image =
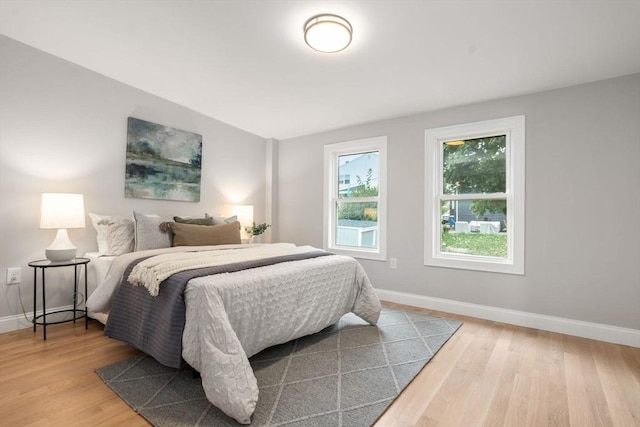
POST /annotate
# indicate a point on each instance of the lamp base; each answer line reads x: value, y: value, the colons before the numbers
x: 61, y: 249
x: 59, y: 255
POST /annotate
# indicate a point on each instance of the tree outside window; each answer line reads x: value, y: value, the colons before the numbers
x: 474, y: 196
x: 475, y: 166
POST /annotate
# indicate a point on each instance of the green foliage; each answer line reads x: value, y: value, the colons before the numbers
x: 363, y: 189
x: 494, y: 245
x: 477, y: 167
x: 360, y: 211
x: 257, y: 229
x: 480, y: 207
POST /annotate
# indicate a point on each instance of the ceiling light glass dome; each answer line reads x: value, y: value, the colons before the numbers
x: 327, y: 33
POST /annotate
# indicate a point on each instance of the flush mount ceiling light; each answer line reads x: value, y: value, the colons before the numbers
x: 327, y: 33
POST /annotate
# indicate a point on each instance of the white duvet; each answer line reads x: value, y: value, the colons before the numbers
x: 232, y: 316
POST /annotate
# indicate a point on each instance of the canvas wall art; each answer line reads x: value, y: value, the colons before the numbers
x: 162, y: 162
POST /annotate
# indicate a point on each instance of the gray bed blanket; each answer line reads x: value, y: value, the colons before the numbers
x: 155, y: 324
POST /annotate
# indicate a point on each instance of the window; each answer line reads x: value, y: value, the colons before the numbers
x: 355, y: 198
x: 474, y: 196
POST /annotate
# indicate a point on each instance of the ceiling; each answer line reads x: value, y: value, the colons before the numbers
x: 245, y: 63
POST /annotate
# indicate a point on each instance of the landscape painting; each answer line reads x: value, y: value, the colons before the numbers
x: 162, y: 162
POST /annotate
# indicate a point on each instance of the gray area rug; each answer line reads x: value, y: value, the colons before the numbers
x: 344, y: 375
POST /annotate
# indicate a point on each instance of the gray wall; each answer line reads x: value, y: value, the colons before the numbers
x: 63, y: 128
x: 582, y: 203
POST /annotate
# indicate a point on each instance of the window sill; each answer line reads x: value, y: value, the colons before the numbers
x: 476, y: 263
x: 358, y: 254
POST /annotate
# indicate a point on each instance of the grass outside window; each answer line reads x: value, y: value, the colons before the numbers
x: 494, y: 245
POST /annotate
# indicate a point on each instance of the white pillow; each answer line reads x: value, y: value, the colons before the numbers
x: 148, y: 234
x: 219, y: 220
x: 115, y: 234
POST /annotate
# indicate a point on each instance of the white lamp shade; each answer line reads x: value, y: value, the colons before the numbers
x: 62, y: 210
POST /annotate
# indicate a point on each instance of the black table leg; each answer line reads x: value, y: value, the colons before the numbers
x: 44, y: 310
x: 75, y: 291
x: 86, y: 295
x: 35, y: 277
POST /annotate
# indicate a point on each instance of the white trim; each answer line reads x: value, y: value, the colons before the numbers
x: 514, y: 129
x: 331, y: 151
x: 17, y: 321
x: 578, y: 328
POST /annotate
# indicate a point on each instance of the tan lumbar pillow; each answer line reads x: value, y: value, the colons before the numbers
x: 203, y: 235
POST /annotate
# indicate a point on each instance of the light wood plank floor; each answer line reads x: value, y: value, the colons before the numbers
x: 487, y: 374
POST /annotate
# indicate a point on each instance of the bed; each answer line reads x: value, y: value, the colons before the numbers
x: 213, y: 307
x: 97, y: 272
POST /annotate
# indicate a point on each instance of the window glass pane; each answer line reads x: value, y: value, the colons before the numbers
x: 358, y: 175
x: 474, y: 227
x: 357, y: 224
x: 475, y: 166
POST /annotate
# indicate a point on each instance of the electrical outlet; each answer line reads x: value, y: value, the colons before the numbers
x: 393, y: 263
x: 13, y: 275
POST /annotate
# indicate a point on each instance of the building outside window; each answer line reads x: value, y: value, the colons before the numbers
x: 345, y: 179
x: 474, y: 196
x: 355, y: 199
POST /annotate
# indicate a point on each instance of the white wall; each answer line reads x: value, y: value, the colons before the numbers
x: 582, y: 204
x: 63, y: 128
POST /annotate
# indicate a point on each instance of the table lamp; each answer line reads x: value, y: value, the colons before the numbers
x: 61, y: 211
x: 245, y: 216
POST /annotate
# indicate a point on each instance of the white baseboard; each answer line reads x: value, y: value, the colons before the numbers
x: 595, y: 331
x: 17, y: 321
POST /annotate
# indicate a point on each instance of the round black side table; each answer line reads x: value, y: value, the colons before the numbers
x: 43, y: 264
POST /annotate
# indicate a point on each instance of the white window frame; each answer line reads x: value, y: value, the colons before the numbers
x: 514, y: 129
x: 331, y: 166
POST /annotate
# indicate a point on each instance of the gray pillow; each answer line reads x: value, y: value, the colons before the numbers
x: 148, y: 233
x: 207, y: 220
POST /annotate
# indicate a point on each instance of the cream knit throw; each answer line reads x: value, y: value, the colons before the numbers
x: 152, y: 271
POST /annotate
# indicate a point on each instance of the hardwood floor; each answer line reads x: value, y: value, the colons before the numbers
x: 488, y: 374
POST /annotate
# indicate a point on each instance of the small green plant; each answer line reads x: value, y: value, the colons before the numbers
x: 257, y: 229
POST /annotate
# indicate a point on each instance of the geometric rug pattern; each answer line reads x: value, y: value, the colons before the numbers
x: 344, y: 375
